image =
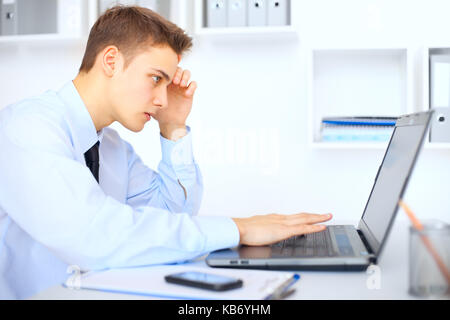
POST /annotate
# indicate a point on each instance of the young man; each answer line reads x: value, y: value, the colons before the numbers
x: 73, y: 192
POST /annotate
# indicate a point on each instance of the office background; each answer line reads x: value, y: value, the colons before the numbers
x: 251, y: 115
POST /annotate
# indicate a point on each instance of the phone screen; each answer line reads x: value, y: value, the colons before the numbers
x: 205, y: 277
x: 204, y: 280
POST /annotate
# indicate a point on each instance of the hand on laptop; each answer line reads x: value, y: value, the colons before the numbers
x: 270, y: 228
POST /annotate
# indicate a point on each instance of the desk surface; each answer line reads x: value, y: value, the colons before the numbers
x: 389, y: 280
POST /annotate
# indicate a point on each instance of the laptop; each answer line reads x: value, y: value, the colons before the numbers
x: 344, y: 247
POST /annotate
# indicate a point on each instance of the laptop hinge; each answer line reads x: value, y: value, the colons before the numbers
x: 372, y: 256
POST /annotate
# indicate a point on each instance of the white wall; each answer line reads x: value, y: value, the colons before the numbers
x: 249, y: 119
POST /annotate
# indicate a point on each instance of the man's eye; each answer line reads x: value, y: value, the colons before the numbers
x: 156, y: 79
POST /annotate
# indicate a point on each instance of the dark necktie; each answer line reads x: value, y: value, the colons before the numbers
x: 92, y: 159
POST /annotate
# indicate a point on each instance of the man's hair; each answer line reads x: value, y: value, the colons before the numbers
x: 132, y: 29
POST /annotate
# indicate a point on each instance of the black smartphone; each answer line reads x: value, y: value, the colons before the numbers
x: 204, y: 280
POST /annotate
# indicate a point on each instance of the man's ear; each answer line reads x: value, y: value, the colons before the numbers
x: 110, y: 60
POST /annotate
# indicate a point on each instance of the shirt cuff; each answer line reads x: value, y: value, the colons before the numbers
x: 220, y: 232
x: 178, y: 152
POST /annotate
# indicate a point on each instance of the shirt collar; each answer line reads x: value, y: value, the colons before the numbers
x: 82, y: 125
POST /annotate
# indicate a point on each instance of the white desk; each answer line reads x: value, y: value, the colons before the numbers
x: 393, y: 279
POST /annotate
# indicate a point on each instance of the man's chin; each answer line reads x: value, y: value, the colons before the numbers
x: 134, y: 127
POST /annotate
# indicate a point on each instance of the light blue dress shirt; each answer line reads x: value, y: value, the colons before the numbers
x: 54, y: 214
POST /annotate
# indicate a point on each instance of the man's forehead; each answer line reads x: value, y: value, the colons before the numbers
x: 163, y: 59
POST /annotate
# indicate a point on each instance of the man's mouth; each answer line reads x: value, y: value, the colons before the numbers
x: 148, y: 116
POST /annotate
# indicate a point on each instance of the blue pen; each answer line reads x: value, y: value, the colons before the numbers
x: 282, y: 288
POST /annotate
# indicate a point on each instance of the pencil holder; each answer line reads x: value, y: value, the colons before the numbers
x: 429, y: 254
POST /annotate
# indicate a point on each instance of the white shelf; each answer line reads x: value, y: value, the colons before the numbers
x: 41, y: 38
x: 72, y: 22
x: 425, y: 55
x: 425, y: 77
x: 246, y: 30
x: 173, y: 10
x: 349, y: 145
x: 76, y: 17
x: 370, y: 146
x: 357, y: 82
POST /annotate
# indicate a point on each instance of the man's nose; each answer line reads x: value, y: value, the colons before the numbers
x: 160, y: 99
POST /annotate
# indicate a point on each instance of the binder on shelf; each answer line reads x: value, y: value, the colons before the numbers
x: 367, y: 121
x: 357, y: 129
x: 237, y: 13
x: 216, y: 16
x: 8, y: 17
x: 440, y: 125
x: 20, y: 17
x: 278, y: 13
x: 257, y: 13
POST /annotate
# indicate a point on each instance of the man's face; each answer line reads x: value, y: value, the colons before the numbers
x: 141, y: 88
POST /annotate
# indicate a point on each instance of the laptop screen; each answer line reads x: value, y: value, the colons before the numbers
x: 392, y: 177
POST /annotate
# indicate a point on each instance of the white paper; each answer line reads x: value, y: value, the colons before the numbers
x: 257, y: 284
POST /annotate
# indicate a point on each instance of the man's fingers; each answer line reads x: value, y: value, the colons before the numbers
x: 307, y: 218
x: 270, y: 228
x: 177, y: 77
x: 191, y: 89
x: 181, y: 77
x: 185, y: 78
x: 306, y: 229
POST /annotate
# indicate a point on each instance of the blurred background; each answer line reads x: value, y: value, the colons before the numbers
x: 268, y: 73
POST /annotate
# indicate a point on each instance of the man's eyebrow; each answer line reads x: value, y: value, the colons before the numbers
x: 165, y: 75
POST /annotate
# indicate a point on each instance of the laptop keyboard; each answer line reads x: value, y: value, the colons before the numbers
x: 314, y: 244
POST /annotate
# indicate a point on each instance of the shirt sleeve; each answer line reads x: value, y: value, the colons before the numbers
x: 57, y: 201
x: 176, y: 187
